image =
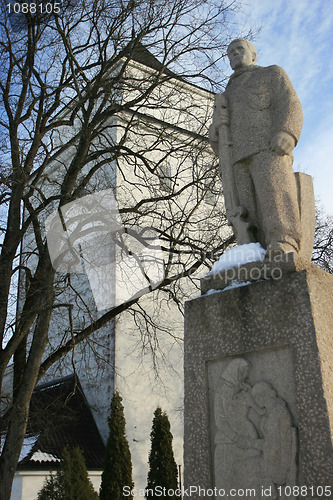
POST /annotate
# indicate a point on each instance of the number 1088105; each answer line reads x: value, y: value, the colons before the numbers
x: 34, y: 8
x: 304, y: 491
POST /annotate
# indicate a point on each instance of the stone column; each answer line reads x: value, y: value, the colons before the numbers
x: 259, y: 384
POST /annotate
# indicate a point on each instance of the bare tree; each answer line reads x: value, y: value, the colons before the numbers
x: 323, y: 245
x: 73, y: 115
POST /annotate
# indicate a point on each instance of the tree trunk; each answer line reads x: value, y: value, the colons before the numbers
x: 20, y: 413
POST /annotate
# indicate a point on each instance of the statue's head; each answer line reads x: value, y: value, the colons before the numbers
x: 241, y: 53
x: 236, y: 372
x: 263, y: 393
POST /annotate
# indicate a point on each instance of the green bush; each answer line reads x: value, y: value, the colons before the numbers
x: 71, y: 482
x: 118, y: 463
x: 162, y: 466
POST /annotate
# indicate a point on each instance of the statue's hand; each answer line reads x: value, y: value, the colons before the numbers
x: 213, y: 134
x: 221, y: 114
x: 245, y: 443
x: 282, y: 143
x: 221, y: 117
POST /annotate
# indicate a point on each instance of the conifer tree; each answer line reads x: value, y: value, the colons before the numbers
x: 74, y: 477
x: 118, y: 463
x: 50, y: 489
x: 71, y: 481
x: 162, y: 466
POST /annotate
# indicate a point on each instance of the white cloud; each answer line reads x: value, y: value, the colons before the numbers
x: 315, y: 157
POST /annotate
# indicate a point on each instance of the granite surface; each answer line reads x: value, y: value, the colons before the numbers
x: 283, y: 329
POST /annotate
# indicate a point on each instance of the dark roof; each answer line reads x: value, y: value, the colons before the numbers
x: 141, y: 54
x: 60, y: 416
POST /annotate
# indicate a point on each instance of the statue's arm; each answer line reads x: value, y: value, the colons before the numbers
x: 214, y: 138
x: 282, y: 143
x: 220, y: 117
x: 287, y: 112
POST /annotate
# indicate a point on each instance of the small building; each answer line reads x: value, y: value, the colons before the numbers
x: 60, y: 416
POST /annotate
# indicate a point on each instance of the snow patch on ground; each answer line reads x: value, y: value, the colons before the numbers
x: 236, y: 284
x: 233, y: 284
x: 212, y: 290
x: 238, y: 256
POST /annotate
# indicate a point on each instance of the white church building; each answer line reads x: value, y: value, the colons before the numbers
x: 140, y: 351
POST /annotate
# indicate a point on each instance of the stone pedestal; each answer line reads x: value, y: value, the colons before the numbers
x: 259, y: 386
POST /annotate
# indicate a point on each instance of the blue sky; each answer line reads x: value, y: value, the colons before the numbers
x: 298, y: 35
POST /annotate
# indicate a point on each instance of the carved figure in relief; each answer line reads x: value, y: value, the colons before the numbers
x: 279, y: 440
x: 231, y: 406
x: 258, y: 453
x: 257, y: 122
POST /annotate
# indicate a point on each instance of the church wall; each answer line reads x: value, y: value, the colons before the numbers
x: 147, y: 370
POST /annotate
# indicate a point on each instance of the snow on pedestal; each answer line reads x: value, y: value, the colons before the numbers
x: 238, y: 256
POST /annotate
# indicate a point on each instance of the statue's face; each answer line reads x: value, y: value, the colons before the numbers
x: 244, y: 373
x: 240, y: 55
x: 260, y: 400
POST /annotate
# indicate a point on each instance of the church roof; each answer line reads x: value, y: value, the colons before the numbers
x: 143, y: 56
x: 60, y: 416
x: 137, y: 52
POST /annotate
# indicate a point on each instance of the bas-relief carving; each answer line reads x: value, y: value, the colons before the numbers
x: 257, y: 122
x: 255, y: 440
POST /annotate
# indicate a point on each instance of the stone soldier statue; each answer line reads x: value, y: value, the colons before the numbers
x: 256, y: 125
